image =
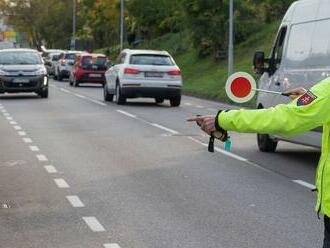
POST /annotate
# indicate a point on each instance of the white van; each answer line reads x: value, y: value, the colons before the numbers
x: 300, y: 57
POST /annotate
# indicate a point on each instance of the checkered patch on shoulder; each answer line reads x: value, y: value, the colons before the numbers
x: 306, y: 99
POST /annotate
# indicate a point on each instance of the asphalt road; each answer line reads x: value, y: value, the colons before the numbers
x: 78, y: 172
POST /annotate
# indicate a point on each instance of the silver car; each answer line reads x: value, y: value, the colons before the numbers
x: 144, y: 73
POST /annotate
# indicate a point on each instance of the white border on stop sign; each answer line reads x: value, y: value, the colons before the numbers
x: 231, y: 79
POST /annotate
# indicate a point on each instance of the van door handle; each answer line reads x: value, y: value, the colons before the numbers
x: 278, y: 83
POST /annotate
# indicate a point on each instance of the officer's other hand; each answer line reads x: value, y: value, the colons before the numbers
x: 297, y: 92
x: 207, y: 123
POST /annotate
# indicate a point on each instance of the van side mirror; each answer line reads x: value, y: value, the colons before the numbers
x: 259, y: 62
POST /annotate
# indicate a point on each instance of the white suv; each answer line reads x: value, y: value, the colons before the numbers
x: 144, y: 73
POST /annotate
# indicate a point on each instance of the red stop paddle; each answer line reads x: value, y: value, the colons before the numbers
x: 241, y: 87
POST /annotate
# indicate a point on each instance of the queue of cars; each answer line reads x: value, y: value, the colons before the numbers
x: 135, y: 73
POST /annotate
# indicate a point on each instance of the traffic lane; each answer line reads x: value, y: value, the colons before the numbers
x: 150, y: 188
x: 294, y: 161
x: 34, y: 212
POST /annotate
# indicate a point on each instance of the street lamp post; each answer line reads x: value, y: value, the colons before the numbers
x: 73, y: 41
x: 122, y: 24
x: 230, y: 40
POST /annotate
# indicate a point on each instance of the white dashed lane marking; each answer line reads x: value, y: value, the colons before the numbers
x: 75, y: 201
x: 34, y: 148
x: 61, y: 183
x: 6, y: 114
x: 27, y: 140
x: 305, y: 184
x: 111, y: 246
x: 165, y: 128
x: 80, y: 96
x: 17, y: 128
x: 98, y: 102
x: 21, y: 133
x: 199, y: 106
x: 93, y: 224
x: 50, y: 169
x: 126, y: 113
x: 187, y: 104
x: 13, y: 122
x: 42, y: 157
x: 64, y: 90
x: 9, y: 118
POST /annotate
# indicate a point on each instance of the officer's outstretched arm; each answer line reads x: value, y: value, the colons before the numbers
x: 305, y: 113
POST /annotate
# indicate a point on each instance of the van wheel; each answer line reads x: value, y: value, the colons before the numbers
x: 265, y: 143
x: 120, y: 99
x: 176, y: 101
x: 107, y: 97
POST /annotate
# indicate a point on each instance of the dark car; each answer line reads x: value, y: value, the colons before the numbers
x: 23, y: 70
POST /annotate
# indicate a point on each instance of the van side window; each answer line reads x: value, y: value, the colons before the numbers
x: 278, y: 48
x: 299, y: 45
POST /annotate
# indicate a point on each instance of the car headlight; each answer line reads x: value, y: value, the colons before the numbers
x: 41, y: 71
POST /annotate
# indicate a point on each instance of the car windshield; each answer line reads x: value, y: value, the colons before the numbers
x: 19, y: 58
x: 99, y: 63
x: 70, y: 56
x: 150, y: 59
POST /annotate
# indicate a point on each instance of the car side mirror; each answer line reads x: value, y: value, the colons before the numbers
x: 259, y: 62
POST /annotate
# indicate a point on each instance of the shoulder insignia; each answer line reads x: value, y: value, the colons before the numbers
x: 306, y: 99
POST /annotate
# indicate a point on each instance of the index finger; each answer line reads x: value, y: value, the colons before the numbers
x: 196, y: 118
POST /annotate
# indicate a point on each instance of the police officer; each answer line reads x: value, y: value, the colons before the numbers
x: 308, y: 110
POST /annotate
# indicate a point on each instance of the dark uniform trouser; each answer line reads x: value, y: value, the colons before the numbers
x: 326, y: 243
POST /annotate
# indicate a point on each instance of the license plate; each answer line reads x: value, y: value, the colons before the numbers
x: 154, y: 74
x: 21, y: 80
x: 95, y: 75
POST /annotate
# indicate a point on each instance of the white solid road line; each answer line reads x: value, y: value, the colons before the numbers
x: 21, y: 133
x: 50, y: 169
x: 111, y: 246
x: 75, y: 201
x: 17, y: 128
x: 224, y: 152
x: 13, y: 122
x: 42, y: 157
x: 93, y: 224
x: 164, y: 128
x: 61, y: 183
x: 199, y: 106
x: 34, y: 148
x: 187, y: 104
x: 305, y: 184
x: 126, y: 113
x: 27, y: 140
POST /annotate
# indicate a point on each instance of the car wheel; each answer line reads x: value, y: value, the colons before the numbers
x: 107, y: 97
x: 59, y: 77
x: 159, y: 100
x: 70, y: 80
x: 43, y: 93
x: 175, y: 101
x: 265, y: 143
x: 75, y: 82
x: 119, y: 97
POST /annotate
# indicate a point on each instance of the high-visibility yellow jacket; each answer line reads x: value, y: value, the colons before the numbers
x: 303, y: 114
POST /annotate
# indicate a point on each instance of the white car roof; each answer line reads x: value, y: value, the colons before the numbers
x: 18, y: 50
x: 138, y: 51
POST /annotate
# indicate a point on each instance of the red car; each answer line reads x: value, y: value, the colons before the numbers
x: 89, y: 68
